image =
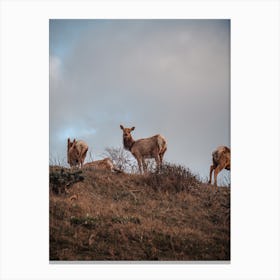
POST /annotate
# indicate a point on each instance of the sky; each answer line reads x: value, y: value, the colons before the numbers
x: 162, y: 76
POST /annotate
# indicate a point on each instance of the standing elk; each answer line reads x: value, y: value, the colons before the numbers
x: 152, y: 147
x: 102, y: 164
x: 76, y: 152
x: 221, y: 160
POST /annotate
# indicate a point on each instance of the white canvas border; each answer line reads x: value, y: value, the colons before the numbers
x: 254, y: 131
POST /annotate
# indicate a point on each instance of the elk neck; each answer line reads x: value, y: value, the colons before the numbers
x: 128, y: 142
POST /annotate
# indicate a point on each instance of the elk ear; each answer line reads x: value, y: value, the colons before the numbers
x: 121, y: 127
x: 68, y: 140
x: 132, y: 128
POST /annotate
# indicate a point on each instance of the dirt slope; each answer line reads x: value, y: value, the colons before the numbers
x: 98, y: 215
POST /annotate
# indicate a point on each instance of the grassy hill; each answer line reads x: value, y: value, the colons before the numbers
x: 99, y: 215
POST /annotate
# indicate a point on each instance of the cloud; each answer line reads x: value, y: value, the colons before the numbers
x: 162, y: 76
x: 55, y: 68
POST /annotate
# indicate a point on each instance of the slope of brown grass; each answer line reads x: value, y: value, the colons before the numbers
x: 167, y: 216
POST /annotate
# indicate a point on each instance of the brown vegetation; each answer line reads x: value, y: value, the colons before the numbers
x: 169, y: 215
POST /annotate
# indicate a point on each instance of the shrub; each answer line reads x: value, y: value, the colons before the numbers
x: 60, y: 179
x: 172, y: 177
x: 121, y: 158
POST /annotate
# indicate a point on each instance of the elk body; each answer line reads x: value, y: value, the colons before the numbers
x: 103, y: 164
x: 76, y: 152
x: 152, y: 147
x: 221, y: 160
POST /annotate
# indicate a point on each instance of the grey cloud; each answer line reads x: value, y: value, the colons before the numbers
x: 162, y: 76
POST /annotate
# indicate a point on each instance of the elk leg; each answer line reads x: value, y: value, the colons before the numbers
x: 216, y: 172
x: 212, y: 167
x: 161, y: 156
x: 80, y: 162
x: 158, y: 162
x: 139, y: 165
x: 144, y: 165
x: 83, y: 157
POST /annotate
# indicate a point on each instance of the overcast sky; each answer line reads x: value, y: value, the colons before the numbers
x: 162, y: 76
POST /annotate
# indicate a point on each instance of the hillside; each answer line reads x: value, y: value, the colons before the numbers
x: 98, y: 215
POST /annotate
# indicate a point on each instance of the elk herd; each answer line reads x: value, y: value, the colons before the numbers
x: 152, y: 147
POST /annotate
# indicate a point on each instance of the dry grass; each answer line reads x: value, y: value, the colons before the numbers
x: 166, y: 216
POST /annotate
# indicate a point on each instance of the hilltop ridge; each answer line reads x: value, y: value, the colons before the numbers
x: 172, y: 215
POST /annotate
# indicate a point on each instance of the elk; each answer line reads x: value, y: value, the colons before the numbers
x: 221, y: 160
x: 76, y: 152
x: 152, y: 147
x: 102, y: 164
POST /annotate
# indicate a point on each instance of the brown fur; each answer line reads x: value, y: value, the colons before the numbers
x: 221, y: 160
x: 152, y: 147
x: 103, y: 164
x: 76, y: 152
